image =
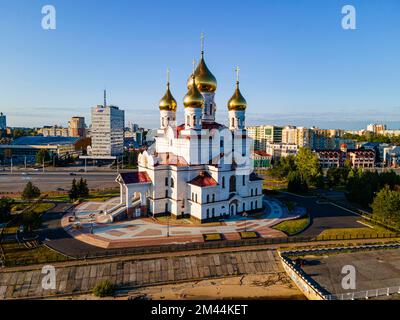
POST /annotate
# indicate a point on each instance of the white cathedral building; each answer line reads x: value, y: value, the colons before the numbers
x: 200, y: 169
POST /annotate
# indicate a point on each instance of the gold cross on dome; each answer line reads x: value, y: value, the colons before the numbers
x: 168, y: 75
x: 237, y: 73
x: 202, y: 41
x: 194, y: 65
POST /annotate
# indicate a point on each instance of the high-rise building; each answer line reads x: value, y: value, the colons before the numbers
x: 376, y: 128
x: 77, y: 127
x: 54, y: 131
x: 107, y: 131
x: 300, y: 136
x: 3, y: 121
x: 263, y: 135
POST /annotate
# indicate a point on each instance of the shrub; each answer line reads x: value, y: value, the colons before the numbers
x: 104, y: 288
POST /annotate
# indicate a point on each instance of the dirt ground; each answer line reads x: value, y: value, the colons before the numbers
x: 254, y: 287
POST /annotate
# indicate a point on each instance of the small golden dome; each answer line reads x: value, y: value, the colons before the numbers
x: 206, y: 82
x: 168, y: 103
x: 193, y: 99
x: 237, y: 102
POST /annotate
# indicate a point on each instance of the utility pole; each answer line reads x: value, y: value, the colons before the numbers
x: 25, y: 162
x: 122, y: 162
x: 85, y: 165
x: 11, y: 165
x: 43, y: 164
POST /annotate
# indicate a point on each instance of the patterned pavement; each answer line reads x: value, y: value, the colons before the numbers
x: 148, y: 231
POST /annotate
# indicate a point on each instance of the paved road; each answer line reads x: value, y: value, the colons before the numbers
x: 323, y: 215
x: 50, y: 181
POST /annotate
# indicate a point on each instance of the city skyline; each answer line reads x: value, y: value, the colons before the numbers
x: 298, y: 65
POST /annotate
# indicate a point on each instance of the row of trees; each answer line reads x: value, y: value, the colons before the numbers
x: 301, y: 171
x: 78, y: 190
x: 362, y: 187
x: 386, y: 207
x: 373, y: 137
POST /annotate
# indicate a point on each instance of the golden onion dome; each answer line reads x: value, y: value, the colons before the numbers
x: 167, y: 102
x: 193, y: 99
x: 237, y: 102
x: 206, y: 82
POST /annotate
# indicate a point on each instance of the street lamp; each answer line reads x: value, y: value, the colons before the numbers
x: 168, y: 226
x: 244, y: 215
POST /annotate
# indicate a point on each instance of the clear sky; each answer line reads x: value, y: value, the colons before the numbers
x: 298, y: 65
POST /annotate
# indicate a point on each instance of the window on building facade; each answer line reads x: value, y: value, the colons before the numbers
x: 232, y: 184
x: 208, y: 198
x: 172, y: 183
x: 244, y: 180
x: 213, y: 198
x: 223, y: 182
x: 166, y: 181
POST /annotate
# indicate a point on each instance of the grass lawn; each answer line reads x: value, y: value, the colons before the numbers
x: 363, y: 232
x: 43, y: 207
x: 248, y: 235
x: 292, y: 227
x: 17, y: 255
x: 164, y: 220
x: 212, y: 237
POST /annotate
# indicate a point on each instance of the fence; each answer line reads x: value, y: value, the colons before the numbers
x: 366, y: 294
x: 107, y: 253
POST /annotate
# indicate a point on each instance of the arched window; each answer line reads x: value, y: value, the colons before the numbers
x: 172, y: 183
x: 208, y: 213
x: 251, y: 192
x: 208, y: 198
x: 166, y: 208
x: 223, y: 182
x: 244, y: 180
x: 232, y: 184
x: 213, y: 212
x: 166, y: 181
x: 213, y: 198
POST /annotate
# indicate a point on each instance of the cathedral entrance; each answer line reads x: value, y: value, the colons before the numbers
x: 233, y: 209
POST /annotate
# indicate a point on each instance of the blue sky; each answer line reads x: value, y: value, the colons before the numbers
x: 298, y: 65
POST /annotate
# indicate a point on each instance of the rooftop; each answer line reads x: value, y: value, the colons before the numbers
x: 44, y: 141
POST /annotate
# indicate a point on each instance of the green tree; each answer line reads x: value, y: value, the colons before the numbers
x: 83, y: 190
x: 296, y: 183
x: 5, y: 208
x: 309, y: 167
x: 43, y: 154
x: 30, y: 192
x: 284, y: 166
x: 386, y: 207
x: 31, y: 221
x: 74, y: 191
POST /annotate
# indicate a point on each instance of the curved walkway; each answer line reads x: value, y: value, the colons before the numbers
x: 146, y: 232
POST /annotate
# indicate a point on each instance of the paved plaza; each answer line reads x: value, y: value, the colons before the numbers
x: 149, y: 231
x: 374, y: 270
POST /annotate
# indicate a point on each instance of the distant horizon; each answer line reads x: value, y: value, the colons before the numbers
x: 150, y: 121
